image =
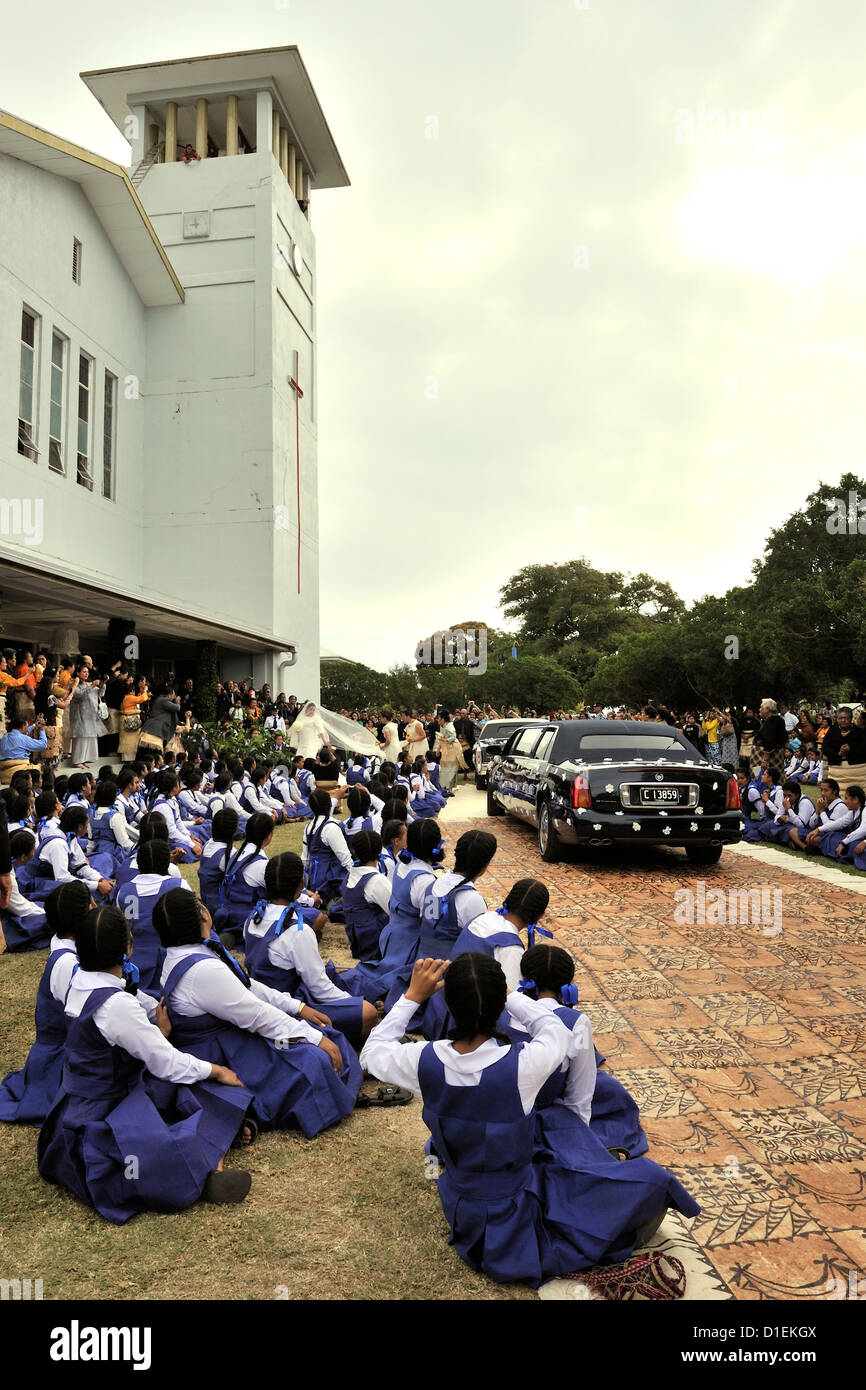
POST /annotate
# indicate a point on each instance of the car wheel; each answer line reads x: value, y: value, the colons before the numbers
x: 549, y: 843
x: 480, y: 781
x: 704, y: 854
x: 493, y: 806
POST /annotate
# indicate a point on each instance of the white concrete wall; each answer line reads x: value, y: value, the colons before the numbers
x: 85, y: 535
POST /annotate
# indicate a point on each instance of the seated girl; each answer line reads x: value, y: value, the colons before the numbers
x: 361, y: 814
x: 137, y: 899
x: 255, y: 800
x: 23, y: 920
x: 841, y: 844
x: 193, y: 807
x: 598, y: 1098
x: 358, y: 771
x: 835, y: 817
x: 243, y: 883
x: 109, y: 827
x: 214, y: 857
x: 427, y: 799
x: 399, y: 941
x: 136, y: 1125
x: 516, y: 1212
x: 300, y: 1077
x: 393, y: 843
x: 283, y: 952
x: 150, y: 827
x: 367, y: 896
x: 325, y: 851
x: 60, y: 856
x: 26, y: 1096
x: 165, y: 804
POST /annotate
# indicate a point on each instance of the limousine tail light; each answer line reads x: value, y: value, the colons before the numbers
x: 733, y: 800
x: 580, y: 796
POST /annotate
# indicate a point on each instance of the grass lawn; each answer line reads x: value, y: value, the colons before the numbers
x: 348, y: 1215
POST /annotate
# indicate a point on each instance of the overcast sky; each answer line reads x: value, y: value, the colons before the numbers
x: 597, y: 287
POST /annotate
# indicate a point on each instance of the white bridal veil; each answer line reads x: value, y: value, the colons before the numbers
x: 339, y: 731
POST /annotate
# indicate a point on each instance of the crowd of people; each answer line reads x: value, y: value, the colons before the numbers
x: 176, y: 1019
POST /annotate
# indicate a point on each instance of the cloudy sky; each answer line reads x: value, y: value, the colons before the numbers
x: 597, y: 287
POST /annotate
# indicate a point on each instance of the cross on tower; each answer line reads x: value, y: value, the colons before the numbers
x: 295, y: 385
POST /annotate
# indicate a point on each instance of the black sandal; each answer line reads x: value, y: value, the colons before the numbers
x: 238, y: 1141
x: 384, y: 1096
x: 619, y: 1152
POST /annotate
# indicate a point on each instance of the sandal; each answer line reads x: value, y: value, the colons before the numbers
x: 619, y: 1152
x: 248, y: 1128
x: 384, y: 1096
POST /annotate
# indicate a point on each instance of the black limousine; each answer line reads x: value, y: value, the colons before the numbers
x: 615, y: 781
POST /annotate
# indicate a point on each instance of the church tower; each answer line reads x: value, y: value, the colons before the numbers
x: 228, y: 152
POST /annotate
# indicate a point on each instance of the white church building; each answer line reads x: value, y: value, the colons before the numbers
x: 157, y: 459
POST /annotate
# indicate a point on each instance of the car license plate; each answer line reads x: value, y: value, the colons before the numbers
x: 660, y: 796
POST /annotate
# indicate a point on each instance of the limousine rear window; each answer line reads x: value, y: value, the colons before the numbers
x: 637, y: 743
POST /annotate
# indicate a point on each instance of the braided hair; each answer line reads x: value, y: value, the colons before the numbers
x: 66, y: 907
x: 423, y: 839
x: 154, y: 857
x: 548, y: 967
x: 473, y: 852
x: 528, y: 899
x: 284, y: 875
x: 358, y: 801
x: 394, y: 810
x: 475, y: 995
x: 177, y: 918
x: 152, y: 826
x: 366, y: 846
x: 102, y: 938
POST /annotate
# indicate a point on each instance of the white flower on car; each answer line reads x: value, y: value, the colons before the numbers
x: 597, y: 826
x: 609, y: 787
x: 694, y: 825
x: 581, y: 810
x: 717, y: 826
x: 635, y: 825
x: 699, y: 810
x: 667, y: 830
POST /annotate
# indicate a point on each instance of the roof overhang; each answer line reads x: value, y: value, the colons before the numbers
x: 35, y: 603
x: 111, y: 195
x: 281, y: 70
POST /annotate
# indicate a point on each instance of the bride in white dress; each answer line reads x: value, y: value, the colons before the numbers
x: 308, y: 733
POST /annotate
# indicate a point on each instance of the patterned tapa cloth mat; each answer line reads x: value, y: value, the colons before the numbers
x: 743, y: 1042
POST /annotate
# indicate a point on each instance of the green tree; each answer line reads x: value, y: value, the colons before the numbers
x: 350, y: 685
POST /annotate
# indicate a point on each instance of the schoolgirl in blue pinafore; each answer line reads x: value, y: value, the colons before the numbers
x: 766, y: 810
x: 516, y: 1212
x: 846, y: 825
x: 325, y: 873
x: 240, y: 889
x: 499, y: 944
x: 35, y: 879
x: 399, y: 941
x: 26, y: 1096
x: 365, y: 920
x: 102, y: 864
x: 105, y: 841
x: 211, y: 868
x: 357, y: 774
x: 267, y: 925
x: 137, y: 904
x: 293, y: 1086
x: 109, y: 1108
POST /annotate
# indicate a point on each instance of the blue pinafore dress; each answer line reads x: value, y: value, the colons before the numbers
x: 325, y: 874
x: 26, y: 1096
x: 515, y: 1212
x: 147, y: 952
x: 436, y: 1018
x: 109, y: 1111
x: 237, y: 898
x: 398, y: 943
x: 365, y: 921
x: 293, y: 1087
x: 615, y: 1117
x: 345, y: 1014
x: 210, y: 875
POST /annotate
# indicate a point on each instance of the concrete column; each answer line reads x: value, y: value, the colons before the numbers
x: 291, y: 169
x: 201, y: 127
x: 231, y: 125
x: 170, y: 132
x: 264, y: 121
x: 275, y: 135
x: 136, y: 133
x: 285, y: 149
